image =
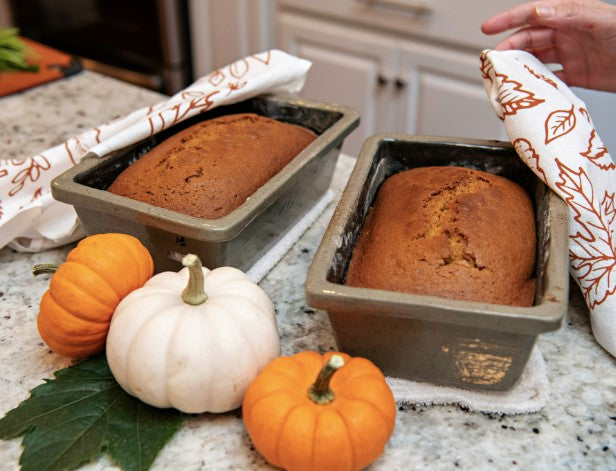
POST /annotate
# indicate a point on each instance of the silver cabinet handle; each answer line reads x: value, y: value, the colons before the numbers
x: 418, y: 8
x: 382, y: 80
x: 400, y: 83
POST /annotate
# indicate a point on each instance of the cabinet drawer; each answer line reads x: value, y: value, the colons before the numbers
x: 441, y: 21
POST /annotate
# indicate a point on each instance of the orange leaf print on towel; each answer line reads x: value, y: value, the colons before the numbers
x: 559, y: 123
x: 527, y: 153
x: 37, y: 194
x: 584, y: 113
x: 200, y: 101
x: 32, y: 172
x: 597, y: 153
x: 513, y: 97
x: 233, y: 86
x: 541, y: 76
x: 216, y: 78
x: 486, y: 68
x: 74, y: 148
x: 239, y: 68
x: 591, y: 250
x: 263, y: 57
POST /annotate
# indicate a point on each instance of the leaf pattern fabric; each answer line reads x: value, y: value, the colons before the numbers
x: 553, y: 134
x: 31, y: 220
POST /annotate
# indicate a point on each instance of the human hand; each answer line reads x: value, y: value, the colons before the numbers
x: 580, y: 35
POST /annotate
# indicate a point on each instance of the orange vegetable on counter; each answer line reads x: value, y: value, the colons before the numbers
x: 84, y: 291
x: 313, y: 412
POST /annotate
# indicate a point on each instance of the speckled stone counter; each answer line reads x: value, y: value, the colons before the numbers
x: 575, y: 430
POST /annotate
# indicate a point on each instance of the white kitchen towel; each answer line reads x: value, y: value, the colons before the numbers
x: 31, y: 220
x: 529, y: 394
x: 552, y: 132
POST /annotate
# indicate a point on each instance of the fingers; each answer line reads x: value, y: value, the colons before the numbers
x: 529, y: 39
x: 571, y: 14
x: 578, y: 15
x: 522, y: 15
x: 561, y: 75
x: 548, y: 56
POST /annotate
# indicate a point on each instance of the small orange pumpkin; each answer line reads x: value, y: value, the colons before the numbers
x: 340, y: 421
x: 75, y: 311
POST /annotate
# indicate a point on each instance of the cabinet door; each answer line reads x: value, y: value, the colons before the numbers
x: 441, y: 93
x: 223, y: 31
x: 349, y: 67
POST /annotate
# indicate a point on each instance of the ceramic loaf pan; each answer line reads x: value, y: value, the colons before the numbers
x: 238, y: 239
x: 426, y: 338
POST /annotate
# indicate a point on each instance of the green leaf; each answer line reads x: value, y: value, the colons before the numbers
x: 70, y: 420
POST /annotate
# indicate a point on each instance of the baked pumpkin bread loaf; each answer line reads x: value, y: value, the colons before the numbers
x: 452, y: 232
x: 209, y: 169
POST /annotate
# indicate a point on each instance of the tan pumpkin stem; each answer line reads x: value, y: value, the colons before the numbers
x: 44, y: 268
x: 194, y: 293
x: 320, y: 392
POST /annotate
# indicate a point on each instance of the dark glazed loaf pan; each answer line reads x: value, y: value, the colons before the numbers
x: 238, y: 239
x: 428, y: 338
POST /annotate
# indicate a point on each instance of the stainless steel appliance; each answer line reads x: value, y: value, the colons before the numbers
x: 146, y: 42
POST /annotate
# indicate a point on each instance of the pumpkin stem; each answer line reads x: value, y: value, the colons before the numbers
x: 193, y: 293
x: 44, y: 268
x: 320, y: 392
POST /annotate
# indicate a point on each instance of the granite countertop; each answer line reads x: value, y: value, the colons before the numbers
x: 575, y: 430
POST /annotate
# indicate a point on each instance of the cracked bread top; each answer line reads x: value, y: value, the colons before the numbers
x: 209, y: 169
x: 452, y: 232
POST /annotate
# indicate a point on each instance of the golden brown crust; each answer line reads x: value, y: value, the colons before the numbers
x: 210, y: 168
x: 451, y: 232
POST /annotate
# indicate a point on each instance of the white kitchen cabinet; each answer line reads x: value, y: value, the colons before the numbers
x: 223, y: 31
x: 348, y: 67
x: 397, y: 85
x: 440, y: 92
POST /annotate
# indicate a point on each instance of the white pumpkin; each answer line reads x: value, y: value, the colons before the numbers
x: 192, y: 340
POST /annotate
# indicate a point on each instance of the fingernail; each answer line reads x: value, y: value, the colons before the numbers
x: 544, y: 11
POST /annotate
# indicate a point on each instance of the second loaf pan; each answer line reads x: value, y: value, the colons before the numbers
x: 427, y: 338
x: 243, y: 236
